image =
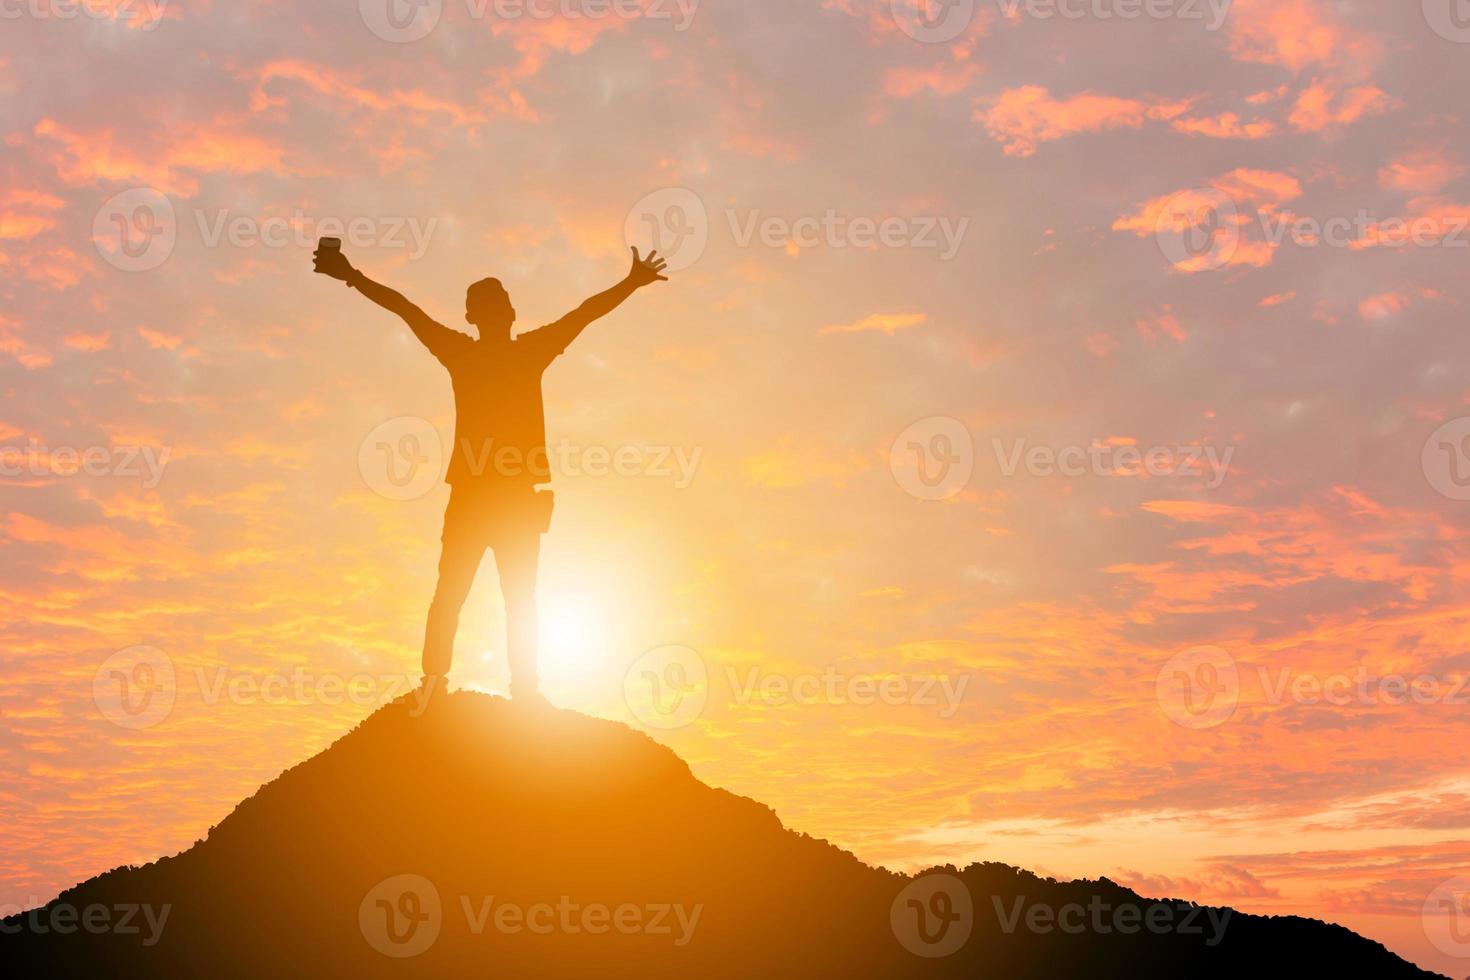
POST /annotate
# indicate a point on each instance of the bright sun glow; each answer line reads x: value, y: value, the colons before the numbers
x: 566, y: 632
x: 575, y: 634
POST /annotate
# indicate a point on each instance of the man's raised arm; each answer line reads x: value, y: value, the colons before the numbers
x: 434, y: 335
x: 645, y: 272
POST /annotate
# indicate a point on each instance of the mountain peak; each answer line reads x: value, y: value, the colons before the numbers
x: 470, y: 833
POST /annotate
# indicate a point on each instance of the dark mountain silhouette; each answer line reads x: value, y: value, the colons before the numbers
x: 543, y: 843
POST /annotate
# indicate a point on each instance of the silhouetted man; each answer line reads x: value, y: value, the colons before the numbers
x: 499, y: 459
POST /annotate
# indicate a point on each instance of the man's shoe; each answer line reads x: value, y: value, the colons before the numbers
x: 431, y: 687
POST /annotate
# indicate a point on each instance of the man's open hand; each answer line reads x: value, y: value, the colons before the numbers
x: 647, y: 270
x: 331, y: 262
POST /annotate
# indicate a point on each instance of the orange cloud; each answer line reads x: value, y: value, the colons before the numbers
x: 787, y: 467
x: 535, y: 40
x: 1222, y: 883
x: 1309, y: 38
x: 942, y: 78
x: 1243, y: 190
x: 101, y: 156
x: 1339, y: 534
x: 53, y: 267
x: 1422, y: 171
x: 745, y: 125
x: 1386, y: 304
x: 22, y: 226
x: 888, y: 323
x: 1430, y: 222
x: 26, y: 213
x: 1323, y: 106
x: 1265, y: 189
x: 1227, y: 125
x: 1297, y: 35
x: 134, y: 15
x: 343, y: 87
x: 1021, y: 118
x: 159, y: 340
x: 14, y: 342
x: 1101, y: 345
x: 89, y: 342
x: 1161, y: 323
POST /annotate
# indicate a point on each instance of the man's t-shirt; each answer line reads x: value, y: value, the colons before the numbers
x: 500, y: 428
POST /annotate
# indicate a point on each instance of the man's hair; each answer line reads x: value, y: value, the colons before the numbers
x: 479, y: 289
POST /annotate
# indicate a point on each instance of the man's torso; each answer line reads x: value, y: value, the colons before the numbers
x: 500, y: 429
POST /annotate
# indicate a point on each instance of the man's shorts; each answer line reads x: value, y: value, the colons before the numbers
x: 498, y: 513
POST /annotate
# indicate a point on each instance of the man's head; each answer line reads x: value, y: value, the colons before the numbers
x: 487, y: 306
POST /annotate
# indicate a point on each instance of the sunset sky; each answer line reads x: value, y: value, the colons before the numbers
x: 1180, y: 300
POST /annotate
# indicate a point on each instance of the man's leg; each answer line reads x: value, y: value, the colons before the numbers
x: 517, y: 557
x: 458, y: 562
